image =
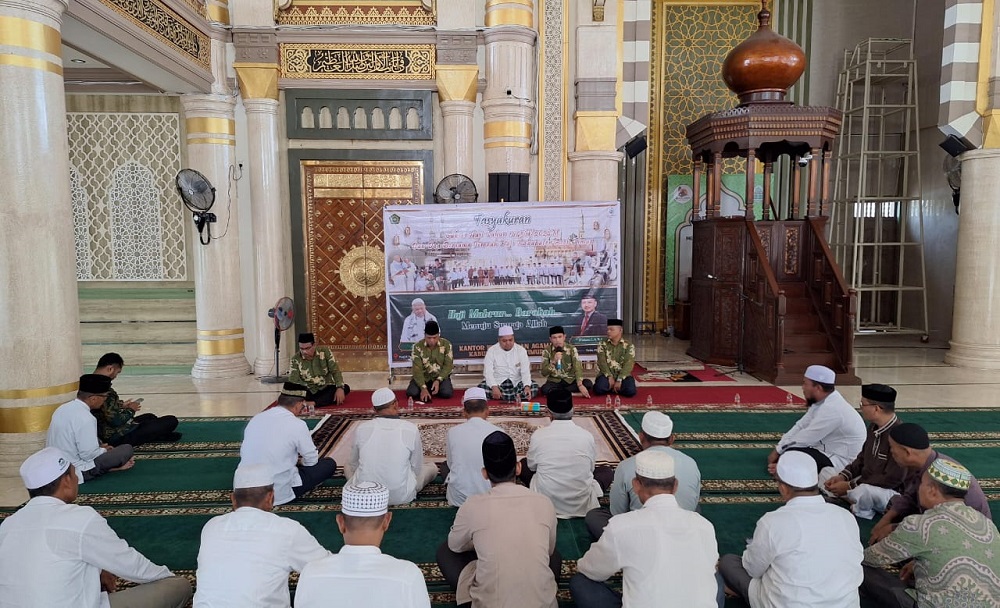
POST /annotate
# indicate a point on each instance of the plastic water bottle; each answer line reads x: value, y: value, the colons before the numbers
x: 649, y: 400
x: 607, y: 401
x: 409, y: 404
x: 736, y: 399
x: 618, y: 400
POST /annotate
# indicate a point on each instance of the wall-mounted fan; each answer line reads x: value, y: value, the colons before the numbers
x: 198, y: 196
x: 283, y: 314
x: 456, y: 188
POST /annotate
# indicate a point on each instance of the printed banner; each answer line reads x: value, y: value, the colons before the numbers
x: 475, y: 268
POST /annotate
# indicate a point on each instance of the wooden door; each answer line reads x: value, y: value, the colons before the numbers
x: 345, y: 252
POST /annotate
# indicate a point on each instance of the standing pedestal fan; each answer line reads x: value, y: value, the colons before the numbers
x: 283, y: 314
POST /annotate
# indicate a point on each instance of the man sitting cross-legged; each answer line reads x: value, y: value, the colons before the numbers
x: 561, y: 461
x: 388, y: 450
x: 615, y: 360
x: 55, y: 554
x: 667, y: 555
x: 74, y: 431
x: 561, y: 366
x: 507, y: 370
x: 433, y: 360
x: 316, y: 368
x: 277, y: 437
x: 360, y: 575
x: 501, y: 551
x: 657, y: 435
x: 117, y: 422
x: 465, y: 449
x: 246, y: 556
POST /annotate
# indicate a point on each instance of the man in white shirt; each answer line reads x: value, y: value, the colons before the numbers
x: 414, y: 324
x: 561, y: 461
x: 656, y: 435
x: 667, y: 555
x: 246, y: 556
x: 360, y: 575
x: 73, y: 430
x: 388, y: 450
x: 59, y: 555
x: 832, y: 432
x: 807, y: 554
x: 507, y: 370
x: 277, y: 437
x: 465, y: 449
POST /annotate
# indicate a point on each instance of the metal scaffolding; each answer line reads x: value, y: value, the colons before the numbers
x: 877, y: 230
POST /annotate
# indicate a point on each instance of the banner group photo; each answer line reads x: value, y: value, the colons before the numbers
x: 473, y: 268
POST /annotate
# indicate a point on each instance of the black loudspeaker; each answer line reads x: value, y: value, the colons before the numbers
x: 508, y: 187
x: 956, y: 145
x: 635, y: 146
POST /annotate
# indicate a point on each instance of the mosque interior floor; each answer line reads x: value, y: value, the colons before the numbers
x: 917, y: 371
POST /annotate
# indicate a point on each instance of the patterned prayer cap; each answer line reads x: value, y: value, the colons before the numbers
x: 654, y: 464
x: 365, y: 499
x: 293, y: 390
x: 950, y: 473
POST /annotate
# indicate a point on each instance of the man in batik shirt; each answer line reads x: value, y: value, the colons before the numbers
x: 316, y: 368
x: 432, y: 361
x: 615, y: 360
x: 561, y: 365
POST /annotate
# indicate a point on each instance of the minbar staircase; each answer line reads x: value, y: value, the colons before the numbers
x: 806, y: 343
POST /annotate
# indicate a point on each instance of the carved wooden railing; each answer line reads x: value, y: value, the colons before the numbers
x: 835, y: 303
x: 764, y: 308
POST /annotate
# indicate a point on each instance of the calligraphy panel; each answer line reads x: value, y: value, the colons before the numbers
x: 364, y: 61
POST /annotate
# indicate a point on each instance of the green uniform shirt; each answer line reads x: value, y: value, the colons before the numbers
x: 319, y: 372
x: 114, y: 419
x: 615, y: 361
x: 430, y: 364
x: 571, y: 370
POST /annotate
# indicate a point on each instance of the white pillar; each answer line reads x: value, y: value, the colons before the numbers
x: 39, y: 314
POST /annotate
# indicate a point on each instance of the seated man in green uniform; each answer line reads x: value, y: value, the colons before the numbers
x: 615, y: 360
x: 117, y: 423
x: 432, y: 361
x: 316, y: 368
x: 561, y: 365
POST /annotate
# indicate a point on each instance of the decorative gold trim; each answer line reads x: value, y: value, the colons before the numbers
x: 596, y: 131
x: 357, y: 61
x: 507, y: 128
x: 564, y: 148
x: 257, y: 80
x: 342, y: 12
x: 210, y: 125
x: 30, y: 62
x: 38, y: 393
x: 510, y: 16
x: 231, y: 346
x: 457, y: 82
x: 709, y: 2
x: 212, y: 141
x: 220, y: 332
x: 217, y: 13
x: 362, y: 271
x: 653, y: 282
x: 529, y: 3
x: 507, y: 144
x: 991, y: 124
x: 28, y: 34
x: 33, y: 419
x: 166, y: 25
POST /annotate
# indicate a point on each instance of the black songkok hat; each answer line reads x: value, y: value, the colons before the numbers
x: 910, y: 435
x: 307, y: 338
x: 431, y: 328
x: 95, y: 384
x: 499, y: 454
x: 614, y: 322
x: 879, y: 392
x: 560, y: 401
x: 294, y: 390
x: 556, y: 329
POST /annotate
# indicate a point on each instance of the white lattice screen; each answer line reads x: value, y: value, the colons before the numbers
x: 128, y: 217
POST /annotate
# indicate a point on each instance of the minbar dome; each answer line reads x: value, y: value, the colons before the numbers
x: 762, y: 67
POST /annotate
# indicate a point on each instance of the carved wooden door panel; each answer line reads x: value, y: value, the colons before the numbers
x: 345, y: 253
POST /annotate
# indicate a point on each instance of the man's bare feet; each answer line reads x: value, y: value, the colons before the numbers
x: 128, y: 465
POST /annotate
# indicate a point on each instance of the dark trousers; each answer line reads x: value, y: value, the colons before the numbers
x: 445, y: 390
x: 822, y: 460
x: 602, y: 386
x: 886, y: 589
x: 452, y: 564
x: 324, y: 396
x: 572, y: 387
x: 588, y: 593
x: 734, y: 575
x: 111, y: 459
x: 150, y: 428
x: 314, y: 475
x: 596, y: 520
x: 604, y: 474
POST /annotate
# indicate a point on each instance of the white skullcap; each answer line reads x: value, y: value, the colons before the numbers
x: 798, y: 469
x: 253, y: 476
x: 657, y: 425
x: 383, y: 397
x: 473, y: 394
x: 506, y: 330
x: 44, y: 467
x: 654, y: 464
x: 365, y: 499
x: 417, y: 301
x: 820, y: 373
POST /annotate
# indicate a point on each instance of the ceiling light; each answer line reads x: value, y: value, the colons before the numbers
x: 78, y: 61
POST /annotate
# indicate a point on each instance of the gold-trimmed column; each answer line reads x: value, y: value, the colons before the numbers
x: 259, y: 89
x: 595, y: 162
x: 457, y: 76
x: 38, y: 369
x: 211, y: 149
x: 509, y: 98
